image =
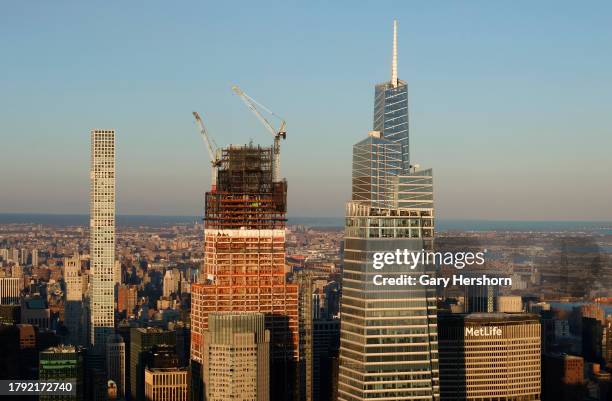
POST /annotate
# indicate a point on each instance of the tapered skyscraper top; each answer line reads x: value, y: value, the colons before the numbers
x: 394, y: 56
x: 391, y: 108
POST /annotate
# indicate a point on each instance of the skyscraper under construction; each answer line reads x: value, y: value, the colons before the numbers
x: 244, y: 264
x: 388, y: 334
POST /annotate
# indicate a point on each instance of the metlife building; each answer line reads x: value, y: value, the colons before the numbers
x: 489, y: 356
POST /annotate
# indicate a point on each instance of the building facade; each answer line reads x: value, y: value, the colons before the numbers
x: 142, y: 340
x: 244, y: 265
x: 102, y: 237
x: 236, y: 359
x: 115, y: 362
x: 166, y: 384
x: 391, y: 108
x: 490, y: 357
x: 10, y: 289
x: 388, y: 334
x: 73, y: 307
x: 63, y: 363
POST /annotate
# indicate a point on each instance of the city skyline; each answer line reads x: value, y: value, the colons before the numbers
x: 244, y: 301
x: 502, y: 115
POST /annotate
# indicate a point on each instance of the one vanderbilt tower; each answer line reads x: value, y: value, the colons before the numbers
x: 389, y: 341
x: 391, y: 107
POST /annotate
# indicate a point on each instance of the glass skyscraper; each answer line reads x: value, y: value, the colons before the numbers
x: 388, y: 335
x: 391, y: 108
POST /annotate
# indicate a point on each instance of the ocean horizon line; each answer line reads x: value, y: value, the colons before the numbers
x: 442, y: 224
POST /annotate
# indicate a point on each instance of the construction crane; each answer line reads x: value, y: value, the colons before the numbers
x: 213, y: 152
x: 279, y: 133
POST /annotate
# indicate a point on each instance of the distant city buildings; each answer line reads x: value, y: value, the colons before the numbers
x: 10, y: 289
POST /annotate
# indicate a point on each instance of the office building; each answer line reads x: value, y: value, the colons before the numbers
x: 319, y: 338
x: 63, y: 363
x: 236, y: 357
x: 14, y: 255
x: 35, y: 257
x: 35, y: 311
x: 169, y: 285
x: 509, y: 304
x: 244, y: 265
x: 10, y: 289
x: 127, y: 299
x: 10, y: 314
x: 480, y: 298
x: 23, y: 257
x: 17, y: 272
x: 562, y: 377
x: 142, y: 340
x: 102, y: 238
x: 391, y: 108
x: 115, y: 362
x: 391, y: 208
x: 73, y: 307
x: 166, y: 384
x: 593, y: 340
x: 489, y: 356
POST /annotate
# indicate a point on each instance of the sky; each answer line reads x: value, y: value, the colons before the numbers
x: 510, y: 102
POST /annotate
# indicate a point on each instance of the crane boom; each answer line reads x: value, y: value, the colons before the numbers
x: 253, y: 105
x: 212, y: 149
x: 204, y: 133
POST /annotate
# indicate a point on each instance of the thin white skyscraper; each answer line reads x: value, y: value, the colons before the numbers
x: 102, y: 241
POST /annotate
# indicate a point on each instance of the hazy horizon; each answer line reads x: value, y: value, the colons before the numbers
x: 508, y: 102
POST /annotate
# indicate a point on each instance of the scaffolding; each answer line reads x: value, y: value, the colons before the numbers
x: 246, y: 195
x: 244, y: 262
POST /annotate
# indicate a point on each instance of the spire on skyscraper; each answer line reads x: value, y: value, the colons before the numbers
x: 394, y: 57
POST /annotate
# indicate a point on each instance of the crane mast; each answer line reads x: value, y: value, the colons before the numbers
x: 213, y: 152
x: 279, y: 133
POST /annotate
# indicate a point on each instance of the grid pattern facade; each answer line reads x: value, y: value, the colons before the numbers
x: 62, y: 363
x: 115, y: 362
x: 166, y: 384
x: 237, y: 357
x: 490, y: 357
x: 388, y: 336
x: 244, y: 264
x: 73, y: 308
x: 377, y: 163
x: 141, y: 341
x: 10, y: 288
x: 102, y: 232
x: 391, y: 115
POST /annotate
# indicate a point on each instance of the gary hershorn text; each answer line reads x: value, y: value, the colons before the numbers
x: 428, y: 280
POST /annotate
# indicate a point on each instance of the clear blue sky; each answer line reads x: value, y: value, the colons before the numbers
x: 510, y: 102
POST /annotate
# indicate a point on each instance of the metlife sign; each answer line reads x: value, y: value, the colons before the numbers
x: 489, y: 331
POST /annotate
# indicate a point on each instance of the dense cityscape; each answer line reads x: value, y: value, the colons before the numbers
x: 242, y: 303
